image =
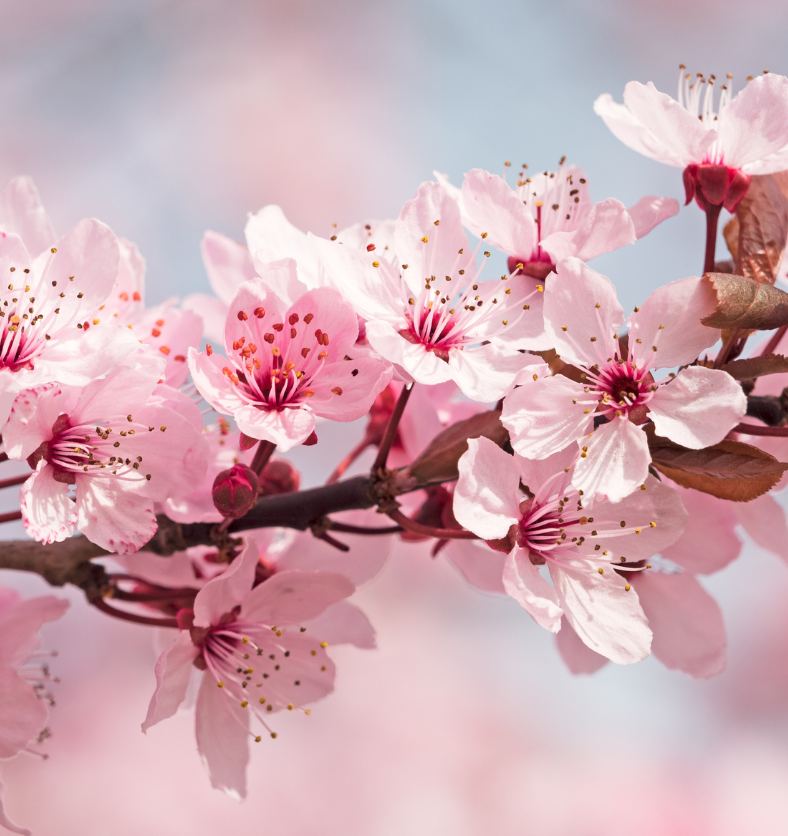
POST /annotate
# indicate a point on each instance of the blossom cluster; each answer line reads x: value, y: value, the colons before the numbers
x: 589, y: 464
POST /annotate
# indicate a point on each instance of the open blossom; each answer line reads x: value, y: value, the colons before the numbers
x: 255, y: 658
x: 122, y: 446
x: 285, y: 364
x: 696, y: 408
x: 426, y: 307
x: 550, y: 216
x: 720, y: 149
x: 45, y: 308
x: 270, y: 237
x: 24, y: 692
x: 589, y: 549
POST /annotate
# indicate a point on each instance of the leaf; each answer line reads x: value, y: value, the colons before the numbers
x: 729, y: 470
x: 743, y: 302
x: 762, y: 219
x: 756, y: 366
x: 438, y: 462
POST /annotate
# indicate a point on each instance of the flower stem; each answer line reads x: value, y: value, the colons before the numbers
x: 774, y: 341
x: 263, y: 453
x: 16, y: 480
x: 754, y: 429
x: 360, y: 529
x: 391, y: 429
x: 101, y: 604
x: 428, y: 531
x: 333, y: 542
x: 712, y: 217
x: 11, y: 516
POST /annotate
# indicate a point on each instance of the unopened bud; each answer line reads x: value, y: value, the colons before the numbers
x: 235, y: 491
x: 278, y: 477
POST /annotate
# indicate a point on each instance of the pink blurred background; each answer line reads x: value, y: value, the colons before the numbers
x: 165, y: 118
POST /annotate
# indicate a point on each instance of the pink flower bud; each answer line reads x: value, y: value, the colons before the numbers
x: 278, y: 477
x: 235, y: 491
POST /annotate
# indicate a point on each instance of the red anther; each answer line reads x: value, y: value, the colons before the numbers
x: 259, y: 312
x: 293, y: 318
x: 242, y: 316
x: 235, y: 491
x: 370, y: 247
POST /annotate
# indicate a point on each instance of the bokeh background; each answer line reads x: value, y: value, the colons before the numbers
x: 165, y: 118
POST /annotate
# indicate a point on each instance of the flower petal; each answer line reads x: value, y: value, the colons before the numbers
x: 48, y: 514
x: 689, y: 632
x: 607, y: 227
x: 294, y: 597
x: 579, y: 658
x: 20, y: 623
x: 487, y: 495
x: 21, y: 212
x: 228, y: 590
x: 227, y: 263
x: 651, y: 211
x: 22, y: 715
x: 343, y: 623
x: 287, y: 428
x: 271, y: 237
x: 533, y: 593
x: 485, y: 373
x: 480, y: 565
x: 173, y: 671
x: 764, y: 520
x: 698, y: 408
x: 421, y: 365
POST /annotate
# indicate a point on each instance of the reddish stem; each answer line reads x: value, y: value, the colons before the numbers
x: 265, y: 449
x: 754, y: 429
x: 16, y: 480
x: 712, y: 217
x: 153, y: 595
x: 11, y: 516
x: 332, y: 542
x: 428, y: 531
x: 774, y: 341
x: 348, y: 460
x: 391, y: 429
x: 101, y: 604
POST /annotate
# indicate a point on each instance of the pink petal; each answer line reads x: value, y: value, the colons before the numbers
x: 222, y: 728
x: 294, y: 597
x: 421, y: 365
x: 485, y: 373
x: 754, y: 126
x: 22, y: 715
x: 332, y: 315
x: 543, y: 416
x: 281, y: 278
x: 213, y: 385
x: 480, y: 565
x: 698, y: 408
x: 181, y: 329
x: 120, y: 392
x: 6, y: 822
x: 605, y: 615
x: 577, y: 657
x: 113, y: 515
x: 657, y: 504
x: 241, y: 321
x: 689, y: 632
x: 343, y: 623
x: 608, y: 227
x: 212, y: 312
x: 764, y: 520
x: 533, y: 593
x: 32, y: 418
x: 271, y: 237
x: 227, y: 263
x: 286, y: 428
x: 683, y: 136
x: 487, y: 496
x: 670, y: 319
x: 709, y: 542
x: 21, y: 212
x: 48, y: 514
x: 173, y: 671
x: 228, y: 590
x: 493, y: 207
x: 585, y: 303
x: 20, y: 623
x: 417, y: 221
x: 616, y: 461
x: 650, y: 212
x: 360, y: 235
x: 624, y: 126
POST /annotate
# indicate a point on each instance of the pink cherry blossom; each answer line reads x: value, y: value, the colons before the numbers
x: 426, y: 307
x: 120, y: 444
x: 287, y: 363
x: 24, y: 693
x: 549, y: 216
x: 719, y: 149
x: 254, y: 658
x: 584, y: 320
x: 590, y: 549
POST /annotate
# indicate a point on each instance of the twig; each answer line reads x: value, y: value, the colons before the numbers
x: 391, y: 429
x: 101, y: 604
x: 428, y: 531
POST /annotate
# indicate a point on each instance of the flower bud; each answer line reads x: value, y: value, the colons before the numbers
x: 715, y: 185
x: 235, y: 491
x: 278, y: 477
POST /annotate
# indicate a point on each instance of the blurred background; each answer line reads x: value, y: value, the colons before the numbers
x: 165, y: 118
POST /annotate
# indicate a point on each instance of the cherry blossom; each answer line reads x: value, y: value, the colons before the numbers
x: 122, y: 446
x: 24, y: 676
x: 427, y: 309
x: 603, y: 410
x: 589, y: 558
x: 254, y: 659
x: 550, y: 216
x: 719, y: 149
x: 287, y: 363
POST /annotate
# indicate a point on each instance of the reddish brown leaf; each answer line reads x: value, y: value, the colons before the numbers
x: 745, y: 303
x: 762, y: 228
x: 438, y: 463
x: 729, y: 470
x: 756, y: 366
